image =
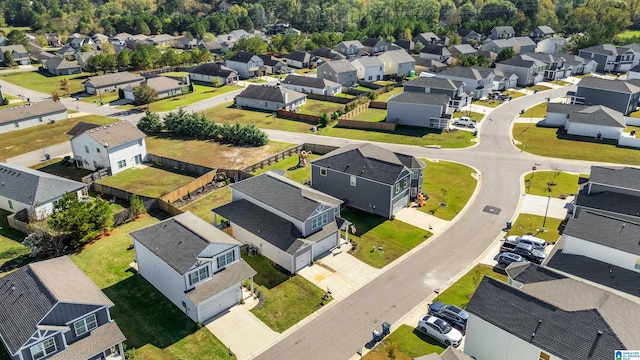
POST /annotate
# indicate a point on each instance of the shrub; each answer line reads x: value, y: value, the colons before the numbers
x: 324, y: 120
x: 136, y: 206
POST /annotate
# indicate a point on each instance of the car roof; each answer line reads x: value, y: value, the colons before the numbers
x: 524, y: 245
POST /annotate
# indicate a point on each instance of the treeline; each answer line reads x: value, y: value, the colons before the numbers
x: 145, y: 57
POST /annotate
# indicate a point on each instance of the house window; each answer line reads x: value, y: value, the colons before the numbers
x: 138, y: 158
x: 122, y: 163
x: 370, y: 78
x: 544, y: 356
x: 98, y: 150
x: 226, y: 259
x: 43, y: 349
x: 85, y: 325
x: 198, y: 275
x: 17, y: 124
x: 397, y: 188
x: 40, y: 119
x: 415, y: 174
x: 405, y: 182
x: 10, y: 204
x: 352, y: 180
x: 319, y: 221
x: 95, y: 164
x: 323, y: 171
x: 86, y: 149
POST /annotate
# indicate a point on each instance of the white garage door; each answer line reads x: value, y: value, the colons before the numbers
x: 303, y: 260
x: 219, y: 303
x: 323, y: 246
x: 400, y: 204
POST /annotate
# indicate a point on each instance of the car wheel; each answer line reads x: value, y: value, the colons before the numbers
x: 447, y: 342
x: 423, y: 329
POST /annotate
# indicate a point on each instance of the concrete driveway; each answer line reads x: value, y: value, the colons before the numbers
x: 537, y: 205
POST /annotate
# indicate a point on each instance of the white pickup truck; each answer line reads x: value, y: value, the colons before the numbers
x: 465, y: 121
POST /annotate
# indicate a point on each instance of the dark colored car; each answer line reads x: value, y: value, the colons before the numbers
x: 508, y: 245
x: 508, y: 257
x: 530, y: 252
x: 451, y: 313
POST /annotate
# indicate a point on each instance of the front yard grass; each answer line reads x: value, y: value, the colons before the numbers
x: 152, y: 181
x: 371, y: 115
x: 411, y: 343
x: 537, y: 88
x: 268, y: 275
x: 11, y: 247
x: 45, y: 82
x: 42, y: 136
x: 544, y: 141
x: 317, y: 107
x: 538, y: 183
x: 386, y: 96
x: 290, y: 166
x: 202, y: 207
x: 447, y: 182
x: 470, y: 114
x: 461, y: 291
x: 374, y: 232
x: 528, y: 223
x: 200, y: 92
x: 537, y: 111
x: 488, y: 103
x: 513, y: 93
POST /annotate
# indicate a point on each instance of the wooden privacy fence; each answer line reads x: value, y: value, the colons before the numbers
x: 354, y: 112
x: 110, y: 192
x: 179, y: 165
x: 329, y: 98
x: 95, y: 176
x: 309, y: 119
x: 193, y: 186
x: 319, y: 148
x: 355, y: 92
x: 168, y: 208
x: 273, y: 159
x: 358, y: 124
x: 378, y: 105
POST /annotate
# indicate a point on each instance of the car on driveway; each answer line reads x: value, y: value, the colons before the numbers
x: 529, y: 239
x: 530, y: 252
x: 508, y: 257
x: 508, y: 245
x: 451, y: 313
x: 440, y: 330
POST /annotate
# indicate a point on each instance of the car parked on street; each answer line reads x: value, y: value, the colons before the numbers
x: 451, y: 313
x: 440, y: 330
x: 530, y: 252
x: 509, y: 257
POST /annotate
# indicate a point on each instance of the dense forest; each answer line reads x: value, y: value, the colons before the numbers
x: 596, y: 21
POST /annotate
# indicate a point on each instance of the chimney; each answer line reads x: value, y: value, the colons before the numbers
x: 286, y: 98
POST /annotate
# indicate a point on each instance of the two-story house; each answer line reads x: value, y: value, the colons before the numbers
x: 429, y: 38
x: 578, y: 65
x: 432, y: 85
x: 117, y: 147
x: 478, y: 81
x: 51, y: 310
x: 609, y: 57
x: 339, y: 71
x: 301, y: 60
x: 273, y: 65
x: 287, y: 222
x: 523, y: 44
x: 469, y: 36
x: 368, y: 68
x: 19, y: 53
x: 246, y: 64
x: 397, y: 62
x: 369, y: 178
x: 195, y: 265
x: 420, y: 109
x: 350, y: 49
x: 375, y: 46
x: 502, y: 32
x: 436, y: 52
x: 555, y: 65
x: 619, y: 95
x: 498, y: 45
x: 541, y: 32
x: 311, y: 85
x: 529, y: 70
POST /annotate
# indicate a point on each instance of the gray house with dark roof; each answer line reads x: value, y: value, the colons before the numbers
x: 609, y: 57
x: 33, y: 114
x: 289, y: 223
x: 246, y: 64
x: 502, y: 32
x: 469, y: 36
x: 436, y: 52
x: 268, y: 97
x: 273, y: 65
x: 111, y: 82
x: 59, y: 66
x: 529, y: 70
x: 420, y: 109
x: 541, y: 32
x: 369, y: 68
x: 369, y: 178
x: 478, y: 81
x: 212, y: 73
x: 311, y: 85
x: 19, y: 53
x: 51, y: 310
x: 195, y: 265
x: 339, y: 71
x: 432, y: 85
x: 301, y: 59
x: 619, y: 95
x: 350, y: 48
x: 374, y: 46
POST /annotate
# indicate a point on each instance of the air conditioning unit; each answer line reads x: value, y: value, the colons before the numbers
x: 52, y: 121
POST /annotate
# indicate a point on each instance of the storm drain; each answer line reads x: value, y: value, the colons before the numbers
x: 491, y: 210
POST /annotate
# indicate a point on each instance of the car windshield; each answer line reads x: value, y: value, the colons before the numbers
x: 454, y: 309
x: 538, y: 253
x: 443, y: 325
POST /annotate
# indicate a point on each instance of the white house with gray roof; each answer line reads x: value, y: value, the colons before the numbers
x: 368, y: 68
x: 420, y: 109
x: 397, y: 62
x: 111, y: 82
x: 287, y: 222
x: 311, y: 85
x: 269, y: 97
x: 31, y: 190
x: 529, y: 70
x: 596, y: 121
x: 195, y: 265
x: 52, y: 310
x: 117, y: 147
x: 339, y: 71
x: 33, y: 114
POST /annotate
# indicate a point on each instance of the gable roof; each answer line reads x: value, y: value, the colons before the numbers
x: 19, y: 49
x: 112, y: 79
x: 522, y: 61
x: 340, y: 66
x: 626, y: 177
x: 163, y: 83
x: 210, y: 45
x: 605, y: 230
x: 59, y: 63
x: 435, y: 49
x: 545, y: 29
x: 212, y: 69
x: 81, y: 127
x: 242, y: 57
x: 412, y: 97
x: 366, y: 160
x: 465, y: 73
x: 282, y: 194
x: 349, y: 43
x: 426, y: 36
x: 611, y: 85
x: 570, y: 59
x: 598, y: 115
x: 29, y: 293
x: 449, y: 353
x: 301, y: 56
x: 270, y: 93
x: 371, y: 42
x: 327, y: 54
x: 504, y: 29
x: 609, y: 202
x: 561, y: 108
x: 310, y: 82
x: 33, y: 187
x: 464, y: 49
x: 435, y: 83
x: 606, y: 49
x: 400, y: 56
x: 368, y: 61
x: 179, y: 240
x: 270, y: 60
x: 523, y: 41
x: 116, y: 134
x: 32, y: 110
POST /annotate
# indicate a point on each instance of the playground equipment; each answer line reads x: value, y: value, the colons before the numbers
x: 421, y: 200
x: 302, y: 158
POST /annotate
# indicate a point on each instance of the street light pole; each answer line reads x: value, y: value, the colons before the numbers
x: 545, y: 212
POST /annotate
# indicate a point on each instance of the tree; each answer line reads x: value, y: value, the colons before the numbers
x: 124, y: 60
x: 16, y: 37
x: 505, y: 54
x: 253, y: 44
x: 65, y: 85
x: 503, y: 10
x: 80, y: 221
x: 150, y: 123
x: 8, y: 59
x: 86, y: 48
x: 136, y: 206
x: 55, y: 96
x: 143, y: 95
x: 95, y: 63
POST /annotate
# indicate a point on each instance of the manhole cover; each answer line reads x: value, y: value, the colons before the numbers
x: 491, y: 210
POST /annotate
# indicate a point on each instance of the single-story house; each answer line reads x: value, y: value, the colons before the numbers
x: 420, y: 109
x: 397, y: 63
x: 195, y: 265
x: 111, y: 82
x: 213, y: 47
x: 558, y: 113
x: 469, y: 36
x: 161, y: 39
x: 597, y: 121
x: 83, y: 58
x: 211, y: 73
x: 311, y: 85
x: 368, y: 68
x: 185, y: 43
x: 162, y: 85
x: 19, y: 53
x: 59, y: 66
x: 273, y: 98
x: 273, y: 65
x: 33, y: 114
x: 339, y: 71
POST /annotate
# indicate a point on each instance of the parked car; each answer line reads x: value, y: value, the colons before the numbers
x: 440, y: 330
x: 465, y: 121
x: 529, y: 239
x: 530, y: 252
x: 451, y: 313
x: 509, y: 257
x: 508, y: 245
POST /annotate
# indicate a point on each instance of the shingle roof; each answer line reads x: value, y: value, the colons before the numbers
x: 81, y: 127
x: 116, y: 134
x: 291, y: 198
x: 411, y: 97
x: 242, y: 57
x: 179, y: 240
x: 32, y: 187
x: 365, y: 160
x: 33, y: 110
x: 354, y: 43
x: 270, y: 60
x: 435, y: 83
x: 522, y: 40
x: 546, y: 29
x: 20, y: 49
x: 598, y: 115
x: 162, y: 83
x: 211, y: 45
x: 235, y: 273
x: 301, y: 56
x: 59, y: 63
x: 627, y: 177
x: 270, y: 93
x: 611, y: 85
x: 100, y: 339
x: 564, y: 108
x: 340, y: 66
x: 462, y: 72
x: 449, y: 353
x: 368, y: 61
x: 327, y: 54
x: 527, y: 273
x: 508, y: 29
x: 212, y: 69
x: 436, y: 49
x: 570, y: 59
x: 608, y: 201
x: 605, y: 230
x: 310, y: 82
x: 606, y: 49
x: 371, y: 42
x: 400, y: 56
x: 112, y: 79
x: 464, y: 49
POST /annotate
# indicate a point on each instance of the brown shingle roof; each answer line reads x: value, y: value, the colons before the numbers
x: 23, y: 112
x: 112, y: 79
x: 116, y: 134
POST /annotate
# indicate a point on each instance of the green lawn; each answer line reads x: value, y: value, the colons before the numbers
x: 175, y: 74
x: 541, y: 183
x: 461, y: 291
x: 62, y: 168
x: 105, y: 98
x: 386, y: 96
x: 545, y: 142
x: 372, y: 115
x: 561, y: 82
x: 202, y: 207
x: 537, y: 111
x: 290, y: 166
x: 287, y: 303
x: 393, y: 236
x: 538, y: 88
x: 513, y: 93
x: 344, y: 95
x: 410, y: 342
x: 362, y: 88
x: 151, y: 181
x: 470, y: 114
x: 45, y: 82
x: 200, y: 92
x: 262, y: 119
x: 40, y: 137
x: 635, y: 114
x: 317, y: 107
x: 268, y: 275
x: 528, y: 223
x: 628, y: 34
x: 304, y: 71
x: 447, y: 182
x: 12, y: 253
x: 256, y: 81
x: 488, y: 103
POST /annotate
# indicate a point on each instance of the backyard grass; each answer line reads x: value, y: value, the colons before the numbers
x: 62, y: 168
x: 461, y: 291
x: 317, y: 107
x: 11, y: 249
x: 447, y: 182
x: 537, y: 111
x: 265, y: 120
x: 545, y: 142
x: 374, y: 232
x: 561, y: 82
x: 202, y: 207
x: 528, y: 223
x: 290, y: 166
x: 152, y: 181
x: 635, y: 114
x: 538, y: 183
x: 304, y: 71
x: 386, y: 96
x: 45, y: 82
x: 344, y: 95
x: 40, y: 137
x: 411, y: 343
x: 513, y: 93
x: 256, y: 81
x: 372, y: 115
x: 362, y: 88
x: 200, y: 92
x: 288, y: 303
x: 175, y: 74
x: 537, y: 88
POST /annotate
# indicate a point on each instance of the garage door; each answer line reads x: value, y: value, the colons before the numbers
x: 219, y: 303
x: 324, y: 245
x: 303, y: 260
x: 400, y: 204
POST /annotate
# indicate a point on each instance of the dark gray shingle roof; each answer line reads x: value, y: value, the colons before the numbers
x: 81, y: 127
x: 270, y: 93
x: 411, y: 97
x: 301, y: 56
x: 59, y: 63
x: 235, y: 273
x: 242, y: 57
x: 100, y: 339
x: 310, y: 82
x: 609, y: 201
x: 436, y: 83
x: 31, y: 187
x: 112, y: 79
x: 605, y: 230
x: 611, y: 85
x: 564, y: 108
x: 598, y: 115
x: 627, y: 177
x: 212, y: 69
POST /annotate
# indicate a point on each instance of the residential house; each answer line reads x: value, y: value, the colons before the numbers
x: 67, y: 52
x: 51, y: 310
x: 557, y: 113
x: 340, y: 71
x: 498, y: 45
x: 619, y: 95
x: 213, y: 47
x: 541, y: 32
x: 4, y: 41
x: 32, y: 114
x: 368, y: 68
x: 504, y: 81
x: 272, y: 98
x: 120, y: 39
x: 350, y: 49
x: 59, y: 66
x: 578, y: 65
x: 77, y: 42
x: 117, y: 147
x: 160, y: 40
x: 555, y: 65
x: 33, y: 191
x: 502, y: 32
x: 436, y: 52
x: 246, y: 64
x: 327, y: 54
x: 429, y: 38
x: 407, y: 45
x: 468, y: 36
x: 212, y: 73
x: 273, y: 65
x: 19, y: 53
x: 634, y: 73
x: 631, y: 49
x: 311, y: 85
x: 524, y: 318
x: 454, y: 89
x: 463, y: 50
x: 369, y: 178
x: 53, y: 39
x: 429, y: 66
x: 83, y: 58
x: 110, y: 82
x: 162, y: 85
x: 609, y: 58
x: 375, y: 46
x: 420, y: 109
x: 553, y: 45
x: 228, y: 40
x: 478, y: 81
x: 193, y: 264
x: 301, y: 60
x: 529, y: 70
x: 289, y: 223
x: 523, y: 44
x: 599, y: 122
x: 99, y: 38
x: 185, y: 43
x: 40, y: 56
x: 449, y: 353
x: 397, y: 63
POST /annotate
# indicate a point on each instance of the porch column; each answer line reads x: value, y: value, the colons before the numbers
x: 252, y: 293
x: 121, y: 350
